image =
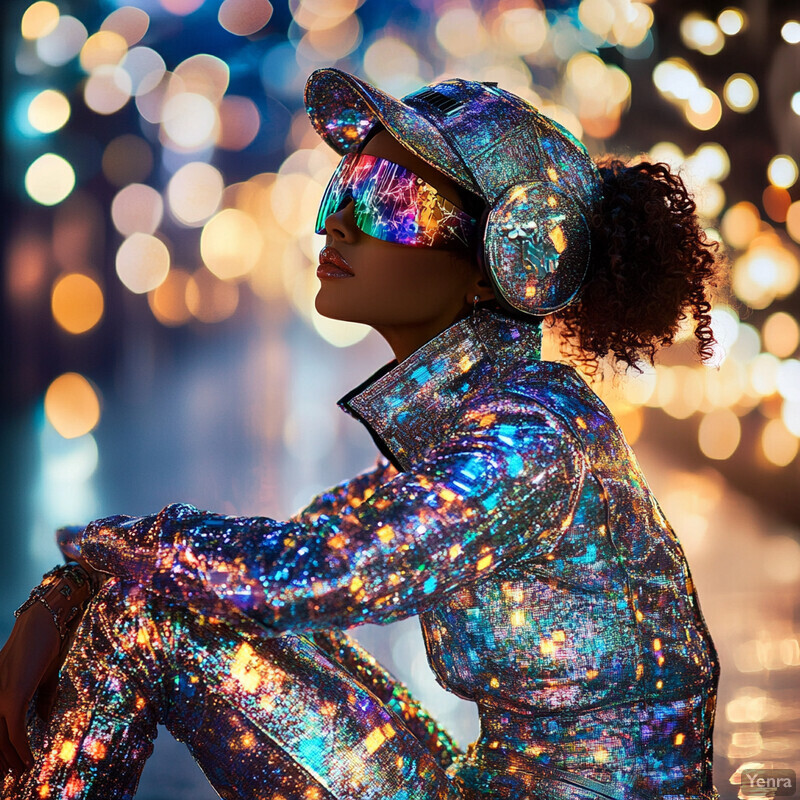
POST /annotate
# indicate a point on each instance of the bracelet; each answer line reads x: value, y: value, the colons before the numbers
x: 57, y: 580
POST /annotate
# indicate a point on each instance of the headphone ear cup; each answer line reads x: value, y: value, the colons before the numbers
x: 536, y: 248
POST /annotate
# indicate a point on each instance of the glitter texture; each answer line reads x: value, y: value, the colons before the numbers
x: 509, y: 512
x: 394, y: 204
x: 494, y: 144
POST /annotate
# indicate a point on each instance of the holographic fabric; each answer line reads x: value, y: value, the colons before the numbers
x: 394, y: 204
x: 494, y: 144
x: 511, y: 514
x: 266, y: 718
x: 539, y: 247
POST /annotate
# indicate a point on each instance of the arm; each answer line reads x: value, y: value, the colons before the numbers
x: 348, y: 494
x: 471, y: 507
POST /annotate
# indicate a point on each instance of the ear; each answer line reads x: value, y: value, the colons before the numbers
x: 480, y: 286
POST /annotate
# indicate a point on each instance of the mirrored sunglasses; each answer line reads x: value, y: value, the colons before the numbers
x: 394, y: 204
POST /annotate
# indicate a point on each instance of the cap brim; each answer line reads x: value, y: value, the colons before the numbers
x: 343, y: 109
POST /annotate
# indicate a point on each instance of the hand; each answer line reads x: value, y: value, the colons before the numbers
x: 29, y: 660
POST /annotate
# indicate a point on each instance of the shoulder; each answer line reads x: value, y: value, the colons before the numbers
x: 549, y: 394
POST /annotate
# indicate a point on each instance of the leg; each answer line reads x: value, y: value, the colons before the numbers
x: 264, y: 717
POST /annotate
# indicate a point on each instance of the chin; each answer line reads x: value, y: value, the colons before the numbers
x: 326, y: 308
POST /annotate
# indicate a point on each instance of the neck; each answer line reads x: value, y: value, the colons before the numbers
x: 405, y: 339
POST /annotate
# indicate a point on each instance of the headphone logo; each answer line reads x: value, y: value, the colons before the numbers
x: 540, y: 252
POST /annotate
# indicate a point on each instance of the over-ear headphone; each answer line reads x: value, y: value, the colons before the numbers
x: 536, y: 247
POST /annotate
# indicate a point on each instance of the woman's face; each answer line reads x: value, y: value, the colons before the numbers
x: 408, y: 294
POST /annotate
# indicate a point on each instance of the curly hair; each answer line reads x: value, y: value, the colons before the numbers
x: 651, y: 266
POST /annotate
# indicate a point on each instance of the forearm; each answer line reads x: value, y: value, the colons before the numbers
x: 64, y: 592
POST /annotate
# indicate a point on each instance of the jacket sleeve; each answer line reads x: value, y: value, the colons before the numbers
x: 350, y: 494
x: 479, y: 499
x: 346, y: 495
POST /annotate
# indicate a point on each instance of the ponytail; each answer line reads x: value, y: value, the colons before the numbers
x: 651, y: 267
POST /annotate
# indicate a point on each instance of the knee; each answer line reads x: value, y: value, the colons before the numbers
x: 122, y: 619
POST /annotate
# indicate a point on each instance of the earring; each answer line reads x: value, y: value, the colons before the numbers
x: 475, y: 303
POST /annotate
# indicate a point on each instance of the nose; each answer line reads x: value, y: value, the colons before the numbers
x: 341, y: 226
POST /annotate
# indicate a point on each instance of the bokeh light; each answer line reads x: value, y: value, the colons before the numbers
x: 599, y: 91
x: 168, y: 301
x: 239, y: 123
x: 63, y: 43
x: 763, y: 374
x: 244, y: 17
x: 460, y: 32
x: 181, y: 7
x: 48, y: 111
x: 788, y: 379
x: 790, y: 414
x: 49, y: 179
x: 710, y: 162
x: 765, y: 272
x: 522, y: 30
x: 791, y: 31
x: 776, y: 202
x: 137, y: 208
x: 145, y: 68
x: 741, y: 92
x: 793, y: 220
x: 699, y: 33
x: 129, y: 22
x: 725, y: 324
x: 103, y: 48
x: 731, y: 21
x: 210, y: 299
x: 230, y: 244
x: 39, y: 19
x: 389, y: 61
x: 704, y: 109
x: 190, y: 121
x: 71, y: 405
x: 142, y: 262
x: 781, y: 334
x: 740, y: 224
x: 323, y: 14
x: 205, y: 75
x: 676, y: 78
x: 782, y: 171
x: 76, y: 302
x: 719, y: 434
x: 778, y: 443
x: 323, y: 45
x: 107, y: 89
x: 194, y: 193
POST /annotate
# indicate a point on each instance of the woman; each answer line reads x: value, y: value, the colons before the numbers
x: 506, y: 508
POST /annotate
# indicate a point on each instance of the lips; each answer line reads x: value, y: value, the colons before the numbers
x: 333, y: 265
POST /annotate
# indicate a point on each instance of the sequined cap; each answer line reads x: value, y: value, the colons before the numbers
x: 537, y: 179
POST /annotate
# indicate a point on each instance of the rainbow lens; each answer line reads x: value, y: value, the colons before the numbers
x: 394, y: 204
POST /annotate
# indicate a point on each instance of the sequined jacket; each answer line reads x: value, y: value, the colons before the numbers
x: 509, y: 512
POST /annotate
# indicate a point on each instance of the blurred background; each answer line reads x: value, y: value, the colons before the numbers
x: 160, y: 186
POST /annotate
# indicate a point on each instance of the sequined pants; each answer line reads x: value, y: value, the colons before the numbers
x: 264, y: 717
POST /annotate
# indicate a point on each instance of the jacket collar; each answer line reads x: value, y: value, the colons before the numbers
x: 409, y: 407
